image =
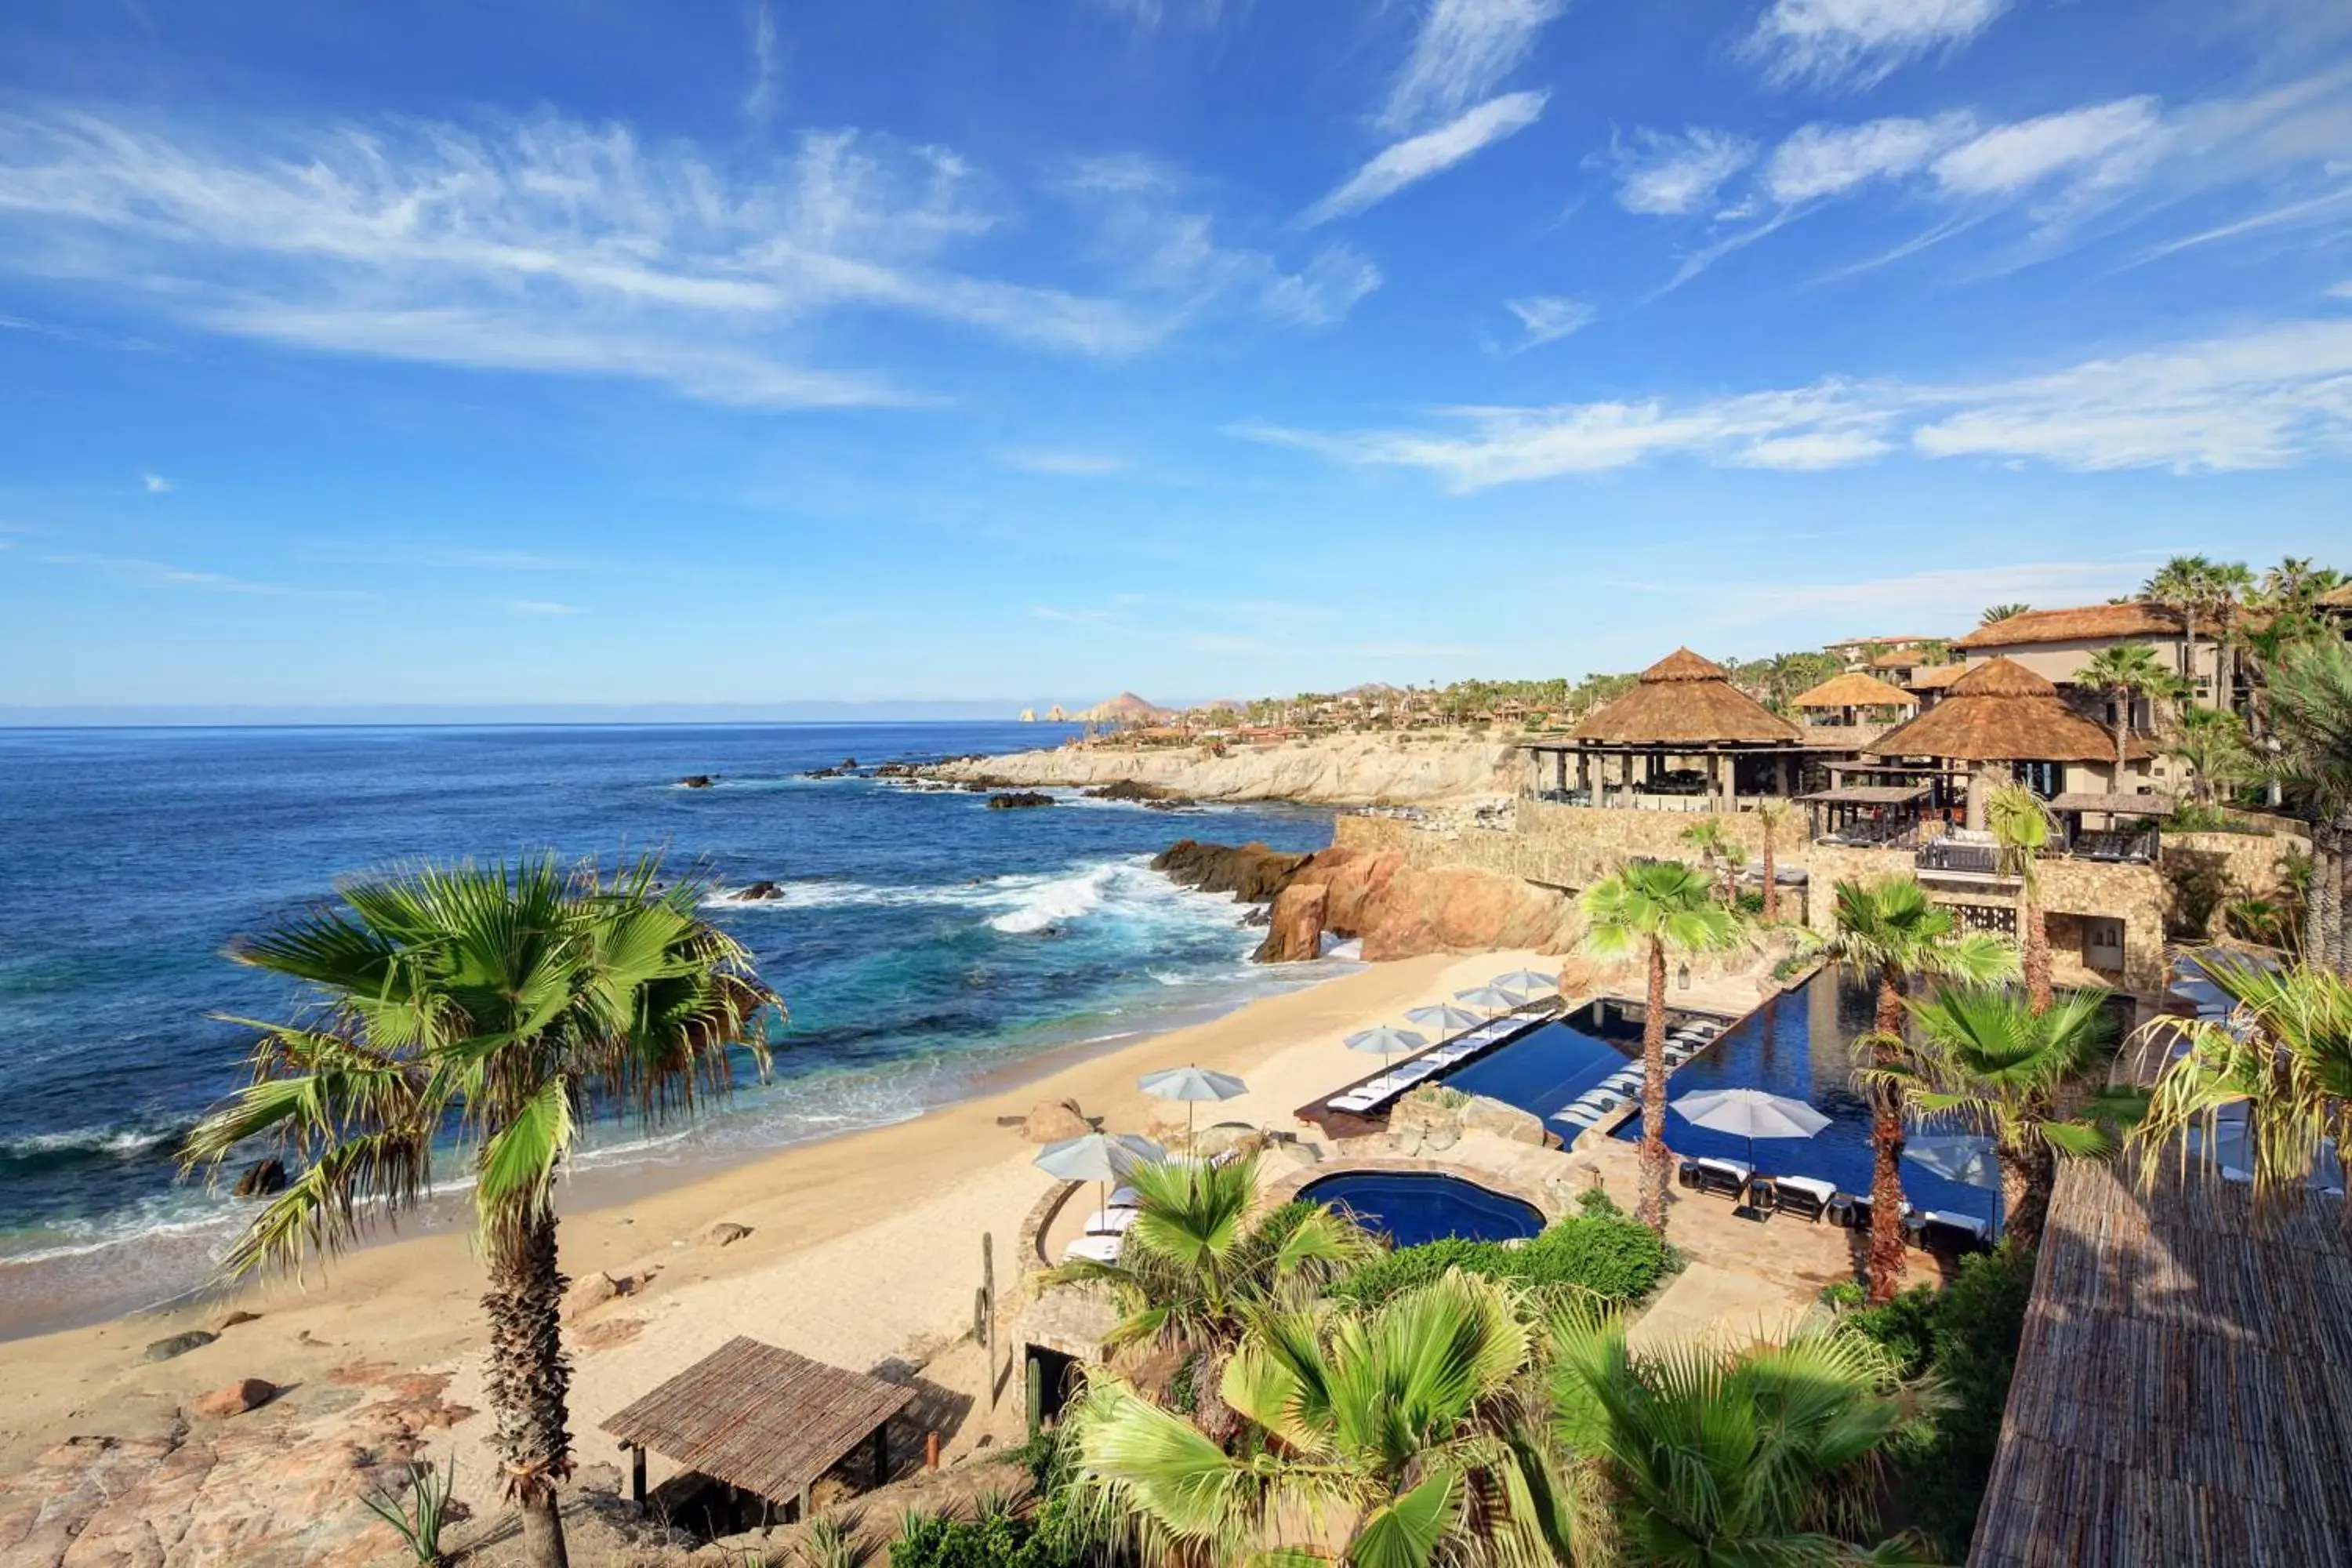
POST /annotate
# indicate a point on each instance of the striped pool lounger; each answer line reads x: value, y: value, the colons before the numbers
x: 1603, y: 1100
x: 1578, y: 1115
x: 1625, y: 1082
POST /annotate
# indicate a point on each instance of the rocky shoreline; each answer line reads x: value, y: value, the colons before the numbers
x: 1418, y: 769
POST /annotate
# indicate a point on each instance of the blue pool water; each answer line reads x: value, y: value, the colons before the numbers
x: 1552, y: 1066
x: 1416, y: 1207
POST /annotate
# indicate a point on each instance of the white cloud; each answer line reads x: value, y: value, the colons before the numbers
x: 1328, y: 287
x: 1859, y: 43
x: 2105, y: 142
x: 1952, y: 593
x: 1418, y: 157
x: 1462, y: 53
x: 554, y: 246
x: 1547, y: 317
x: 1079, y: 617
x: 1830, y: 160
x: 760, y: 102
x: 2267, y: 397
x: 1069, y: 465
x: 164, y: 575
x: 155, y: 484
x: 542, y: 607
x: 1669, y: 176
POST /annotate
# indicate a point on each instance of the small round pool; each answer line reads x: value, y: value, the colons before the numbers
x: 1416, y: 1206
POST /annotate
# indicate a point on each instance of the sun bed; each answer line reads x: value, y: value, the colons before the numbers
x: 1579, y: 1115
x: 1356, y: 1103
x: 1727, y: 1178
x: 1624, y: 1082
x: 1112, y: 1221
x: 1942, y: 1231
x: 1094, y: 1249
x: 1125, y: 1198
x: 1851, y: 1211
x: 1807, y: 1195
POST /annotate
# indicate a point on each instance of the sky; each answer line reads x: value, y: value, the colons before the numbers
x: 450, y: 356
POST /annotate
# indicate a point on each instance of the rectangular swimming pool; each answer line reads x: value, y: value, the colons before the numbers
x: 1551, y: 1065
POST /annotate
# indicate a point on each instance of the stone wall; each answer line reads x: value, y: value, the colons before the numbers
x: 1569, y: 847
x: 2247, y: 861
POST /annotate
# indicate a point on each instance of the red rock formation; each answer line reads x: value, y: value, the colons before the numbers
x: 1295, y: 931
x: 1403, y: 913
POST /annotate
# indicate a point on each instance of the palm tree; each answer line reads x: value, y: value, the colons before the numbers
x: 1718, y: 848
x: 499, y: 1007
x: 2020, y: 826
x: 1719, y: 1457
x: 2182, y: 585
x: 1195, y: 1263
x: 2285, y: 1055
x: 2311, y: 715
x: 1889, y: 934
x: 1652, y: 908
x: 2003, y: 1066
x: 2214, y: 745
x: 1993, y: 614
x: 1386, y: 1437
x: 2295, y: 583
x: 2122, y: 673
x: 1769, y: 815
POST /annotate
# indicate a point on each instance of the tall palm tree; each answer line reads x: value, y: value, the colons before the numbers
x: 2182, y: 585
x: 2214, y: 744
x: 1770, y: 817
x: 1386, y: 1438
x: 2311, y: 716
x: 2295, y: 583
x: 1995, y: 614
x: 1715, y: 1456
x: 2285, y: 1055
x: 1196, y: 1263
x: 1652, y: 907
x: 2124, y: 673
x: 499, y: 1007
x: 2006, y: 1068
x: 1890, y: 933
x: 1718, y: 851
x: 2020, y: 826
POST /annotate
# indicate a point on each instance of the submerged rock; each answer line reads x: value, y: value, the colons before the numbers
x: 1019, y: 800
x: 759, y: 892
x: 698, y: 781
x: 1136, y: 791
x: 261, y: 1178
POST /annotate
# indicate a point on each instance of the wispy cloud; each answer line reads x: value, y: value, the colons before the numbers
x: 1860, y: 43
x: 1667, y: 175
x: 1819, y: 161
x: 1944, y: 594
x: 155, y: 484
x: 1071, y: 618
x: 760, y: 102
x: 1063, y: 464
x: 556, y: 246
x: 2108, y: 142
x: 1418, y: 157
x: 542, y: 607
x: 1545, y: 318
x: 2267, y: 397
x: 164, y: 575
x: 1462, y: 53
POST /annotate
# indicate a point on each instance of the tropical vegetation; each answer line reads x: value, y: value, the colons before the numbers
x: 2020, y: 826
x: 2311, y: 719
x: 1602, y: 1252
x: 1890, y: 934
x: 482, y: 1015
x: 2124, y: 674
x: 1650, y: 908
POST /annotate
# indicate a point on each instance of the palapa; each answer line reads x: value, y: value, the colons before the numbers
x: 1855, y: 689
x: 1686, y: 701
x: 2001, y: 712
x: 2136, y: 618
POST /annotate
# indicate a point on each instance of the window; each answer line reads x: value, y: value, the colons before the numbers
x: 2000, y: 920
x: 2102, y: 942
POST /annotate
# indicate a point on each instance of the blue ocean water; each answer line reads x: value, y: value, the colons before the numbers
x: 922, y: 939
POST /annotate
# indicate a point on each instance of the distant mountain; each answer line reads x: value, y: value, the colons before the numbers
x: 1126, y: 708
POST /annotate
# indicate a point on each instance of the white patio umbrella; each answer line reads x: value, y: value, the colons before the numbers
x: 1493, y: 998
x: 1749, y: 1113
x: 1191, y: 1084
x: 1957, y: 1157
x: 1445, y: 1017
x: 1385, y: 1040
x: 1097, y: 1157
x: 1529, y: 981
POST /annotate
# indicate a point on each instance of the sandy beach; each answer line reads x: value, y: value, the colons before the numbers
x: 861, y: 1249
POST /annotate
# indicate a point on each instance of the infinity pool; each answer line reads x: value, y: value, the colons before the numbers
x: 1414, y: 1207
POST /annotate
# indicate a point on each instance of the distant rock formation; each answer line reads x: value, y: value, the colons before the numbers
x: 1137, y: 792
x: 698, y: 781
x: 1018, y: 800
x: 1126, y: 708
x: 1330, y: 770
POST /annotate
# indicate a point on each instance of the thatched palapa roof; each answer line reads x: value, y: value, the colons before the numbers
x: 1686, y: 701
x: 1855, y: 689
x: 2137, y: 618
x: 2001, y: 712
x: 1937, y: 677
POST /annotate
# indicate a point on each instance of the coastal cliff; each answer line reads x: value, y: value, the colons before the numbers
x: 1330, y: 770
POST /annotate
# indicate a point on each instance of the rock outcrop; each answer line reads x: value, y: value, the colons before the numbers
x: 1251, y: 872
x: 1330, y: 770
x: 759, y: 892
x: 1051, y: 1120
x: 1019, y: 800
x: 1295, y: 932
x: 261, y: 1179
x: 177, y: 1345
x: 698, y: 781
x: 246, y: 1394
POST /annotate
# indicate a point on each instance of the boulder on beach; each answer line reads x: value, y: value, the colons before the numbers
x: 1051, y: 1120
x: 246, y: 1394
x: 1019, y: 800
x: 589, y: 1294
x: 177, y: 1345
x: 698, y: 781
x: 262, y: 1178
x: 1294, y: 931
x: 725, y: 1232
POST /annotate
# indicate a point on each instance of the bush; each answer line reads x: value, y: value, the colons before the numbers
x: 1967, y: 1337
x: 1608, y: 1254
x: 993, y: 1542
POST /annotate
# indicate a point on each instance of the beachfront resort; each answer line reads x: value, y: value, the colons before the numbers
x: 1903, y: 1139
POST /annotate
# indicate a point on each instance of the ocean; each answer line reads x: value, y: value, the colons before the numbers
x: 922, y: 941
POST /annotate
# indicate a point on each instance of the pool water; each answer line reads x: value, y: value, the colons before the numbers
x: 1552, y: 1066
x: 1414, y: 1207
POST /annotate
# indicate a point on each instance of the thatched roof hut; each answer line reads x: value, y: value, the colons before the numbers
x: 1686, y: 701
x: 1855, y: 689
x: 2134, y: 618
x: 2001, y: 712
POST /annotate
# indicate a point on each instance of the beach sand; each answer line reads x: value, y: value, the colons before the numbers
x: 861, y: 1249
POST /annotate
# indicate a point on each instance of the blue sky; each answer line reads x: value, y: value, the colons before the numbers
x: 862, y: 350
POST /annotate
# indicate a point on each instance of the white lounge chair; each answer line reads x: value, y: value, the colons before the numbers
x: 1356, y: 1103
x: 1111, y: 1221
x: 1094, y: 1249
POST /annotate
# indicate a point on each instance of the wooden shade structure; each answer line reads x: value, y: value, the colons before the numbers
x: 1856, y: 690
x: 762, y: 1420
x: 1686, y: 701
x: 2001, y: 712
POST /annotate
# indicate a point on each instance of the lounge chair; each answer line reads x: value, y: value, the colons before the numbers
x: 1357, y: 1101
x: 1094, y: 1249
x: 1728, y: 1178
x: 1112, y: 1221
x: 1851, y: 1211
x: 1601, y: 1101
x: 1807, y: 1195
x: 1942, y: 1231
x: 1579, y: 1115
x: 1624, y: 1082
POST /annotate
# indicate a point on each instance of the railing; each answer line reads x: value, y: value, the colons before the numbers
x: 1959, y: 860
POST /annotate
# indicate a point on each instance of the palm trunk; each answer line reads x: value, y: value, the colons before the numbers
x: 2029, y: 1174
x: 2321, y: 916
x: 2331, y: 886
x: 1771, y: 877
x: 2034, y: 939
x: 1656, y: 1163
x: 528, y: 1375
x: 2123, y: 735
x: 1885, y: 1263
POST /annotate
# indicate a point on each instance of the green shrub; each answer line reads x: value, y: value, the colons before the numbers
x: 1595, y: 1202
x: 1604, y: 1253
x: 1965, y: 1336
x: 994, y: 1541
x: 1842, y: 1295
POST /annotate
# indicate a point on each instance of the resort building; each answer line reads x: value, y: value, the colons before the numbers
x: 2056, y: 643
x: 1850, y: 704
x: 1857, y: 652
x: 2001, y: 722
x: 1684, y: 739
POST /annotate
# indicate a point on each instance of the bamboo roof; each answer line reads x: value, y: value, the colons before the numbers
x: 2337, y: 598
x: 2113, y: 803
x: 2001, y: 712
x: 2183, y: 1392
x: 1855, y: 689
x: 2137, y: 618
x: 760, y: 1418
x: 1686, y: 701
